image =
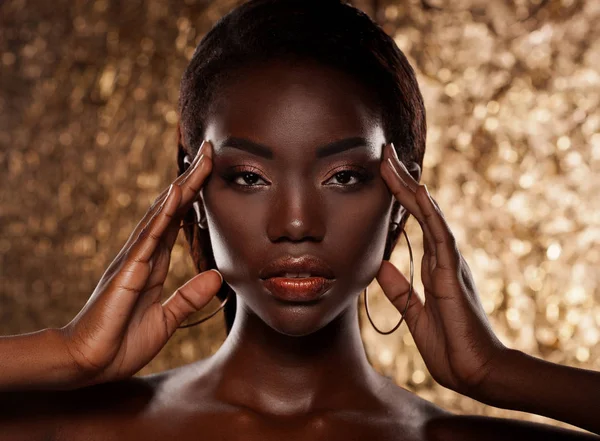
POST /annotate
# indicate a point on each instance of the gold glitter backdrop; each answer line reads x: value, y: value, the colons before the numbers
x: 88, y: 97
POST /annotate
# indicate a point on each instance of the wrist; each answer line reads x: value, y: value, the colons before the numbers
x: 61, y: 372
x: 68, y: 373
x: 520, y: 381
x: 495, y: 385
x: 36, y: 361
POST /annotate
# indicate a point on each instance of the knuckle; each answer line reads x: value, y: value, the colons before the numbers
x: 152, y: 235
x: 429, y: 213
x: 181, y: 294
x: 412, y: 304
x: 142, y: 235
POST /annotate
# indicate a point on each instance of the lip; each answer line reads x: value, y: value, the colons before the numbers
x: 298, y: 289
x: 311, y: 264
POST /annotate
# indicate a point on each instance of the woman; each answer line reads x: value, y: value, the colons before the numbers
x: 302, y: 138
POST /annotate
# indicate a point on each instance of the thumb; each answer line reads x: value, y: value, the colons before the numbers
x: 396, y: 287
x: 191, y: 297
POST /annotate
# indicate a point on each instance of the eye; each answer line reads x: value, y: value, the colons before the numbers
x: 344, y: 176
x: 244, y: 178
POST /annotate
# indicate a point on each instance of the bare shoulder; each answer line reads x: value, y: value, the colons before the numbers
x: 42, y: 415
x: 427, y: 421
x: 127, y: 409
x: 472, y: 427
x: 155, y: 406
x: 401, y: 402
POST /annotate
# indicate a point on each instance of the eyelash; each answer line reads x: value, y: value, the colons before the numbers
x: 360, y: 175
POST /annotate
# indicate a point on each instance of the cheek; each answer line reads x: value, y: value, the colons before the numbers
x: 236, y: 226
x: 358, y: 232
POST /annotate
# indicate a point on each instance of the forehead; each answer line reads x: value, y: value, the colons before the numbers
x: 288, y: 104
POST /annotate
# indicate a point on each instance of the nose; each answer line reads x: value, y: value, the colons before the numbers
x: 296, y: 214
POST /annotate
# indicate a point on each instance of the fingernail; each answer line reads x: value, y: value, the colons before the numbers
x: 166, y: 197
x: 201, y: 149
x: 394, y: 153
x: 220, y: 275
x: 404, y: 171
x: 198, y: 162
x: 169, y: 193
x: 197, y: 158
x: 403, y: 167
x: 207, y: 148
x: 391, y: 165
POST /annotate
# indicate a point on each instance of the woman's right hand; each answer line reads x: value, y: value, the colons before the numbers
x: 124, y: 324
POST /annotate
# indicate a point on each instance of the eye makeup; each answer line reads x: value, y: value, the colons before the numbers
x: 246, y: 177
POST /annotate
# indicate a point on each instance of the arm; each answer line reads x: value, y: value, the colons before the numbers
x: 124, y: 323
x: 521, y: 382
x: 453, y: 334
x: 38, y: 360
x: 477, y: 427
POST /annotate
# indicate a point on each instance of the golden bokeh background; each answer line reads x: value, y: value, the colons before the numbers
x: 88, y: 99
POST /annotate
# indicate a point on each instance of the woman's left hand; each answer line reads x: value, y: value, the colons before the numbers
x: 450, y: 328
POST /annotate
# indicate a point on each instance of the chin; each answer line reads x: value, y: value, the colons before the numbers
x: 296, y: 320
x: 299, y: 319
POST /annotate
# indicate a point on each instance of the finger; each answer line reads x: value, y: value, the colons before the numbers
x: 136, y: 269
x: 447, y: 254
x: 204, y: 150
x: 156, y: 205
x: 171, y: 234
x: 153, y: 233
x: 148, y: 216
x: 152, y: 291
x: 133, y: 274
x: 191, y: 297
x: 191, y: 186
x: 401, y: 190
x: 404, y: 194
x: 407, y: 179
x: 397, y: 288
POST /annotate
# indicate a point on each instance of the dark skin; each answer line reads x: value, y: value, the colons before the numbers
x: 284, y: 371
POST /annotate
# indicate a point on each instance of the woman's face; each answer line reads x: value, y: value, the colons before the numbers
x: 295, y: 202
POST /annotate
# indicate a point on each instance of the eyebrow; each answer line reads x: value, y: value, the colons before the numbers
x: 322, y: 151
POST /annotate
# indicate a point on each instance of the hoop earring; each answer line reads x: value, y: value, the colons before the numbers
x: 183, y: 224
x: 410, y: 291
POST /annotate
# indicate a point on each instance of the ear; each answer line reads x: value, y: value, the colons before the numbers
x: 198, y: 205
x: 399, y: 212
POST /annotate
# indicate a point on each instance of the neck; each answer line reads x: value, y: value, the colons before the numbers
x: 272, y: 373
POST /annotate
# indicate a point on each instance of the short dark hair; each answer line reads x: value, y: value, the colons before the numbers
x: 331, y: 32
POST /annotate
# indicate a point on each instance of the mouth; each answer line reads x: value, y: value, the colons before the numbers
x: 298, y: 289
x: 298, y: 279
